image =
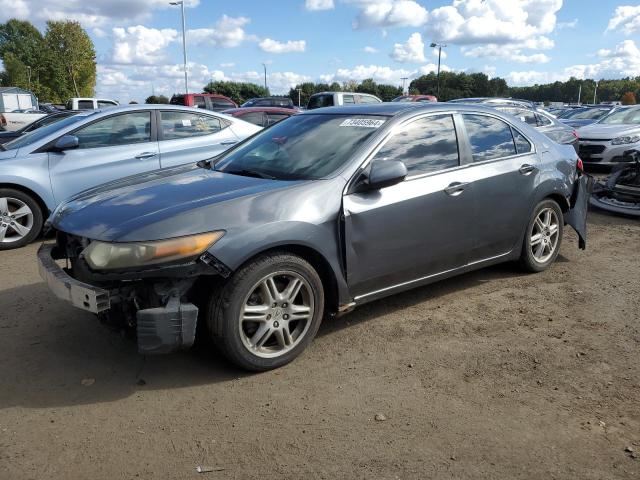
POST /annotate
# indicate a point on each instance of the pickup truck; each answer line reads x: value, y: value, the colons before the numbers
x: 12, y: 121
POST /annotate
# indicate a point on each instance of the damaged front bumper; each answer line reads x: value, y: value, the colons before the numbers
x: 165, y: 323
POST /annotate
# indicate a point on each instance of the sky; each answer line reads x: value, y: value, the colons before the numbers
x: 139, y: 42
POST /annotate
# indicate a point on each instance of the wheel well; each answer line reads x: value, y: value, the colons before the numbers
x: 319, y: 263
x: 31, y: 193
x: 560, y: 200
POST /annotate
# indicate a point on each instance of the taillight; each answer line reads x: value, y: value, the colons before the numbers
x: 3, y: 121
x: 575, y: 134
x: 580, y: 165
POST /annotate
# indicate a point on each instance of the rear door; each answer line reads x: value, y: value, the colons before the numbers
x: 188, y: 137
x: 109, y: 148
x: 504, y: 171
x: 420, y: 227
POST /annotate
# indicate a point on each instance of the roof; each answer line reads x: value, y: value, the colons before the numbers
x: 392, y: 109
x: 233, y: 111
x: 14, y: 90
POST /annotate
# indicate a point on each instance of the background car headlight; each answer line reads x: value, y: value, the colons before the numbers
x: 625, y: 139
x: 108, y: 256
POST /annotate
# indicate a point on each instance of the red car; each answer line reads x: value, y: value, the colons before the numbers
x: 415, y: 98
x: 261, y: 116
x: 207, y: 101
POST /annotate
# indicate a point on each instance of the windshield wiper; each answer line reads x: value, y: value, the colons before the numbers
x: 250, y: 173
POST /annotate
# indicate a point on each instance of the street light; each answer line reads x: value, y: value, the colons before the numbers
x: 265, y: 76
x: 403, y: 80
x: 299, y: 93
x: 439, y: 45
x: 184, y: 45
x: 595, y: 92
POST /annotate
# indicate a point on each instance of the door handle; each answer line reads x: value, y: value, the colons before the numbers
x: 229, y: 142
x: 145, y: 155
x: 456, y: 188
x: 526, y: 169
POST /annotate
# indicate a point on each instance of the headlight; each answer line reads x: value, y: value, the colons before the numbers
x: 108, y: 256
x: 625, y: 139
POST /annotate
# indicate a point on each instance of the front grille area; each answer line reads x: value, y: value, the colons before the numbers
x: 592, y: 149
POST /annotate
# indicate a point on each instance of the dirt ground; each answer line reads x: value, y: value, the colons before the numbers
x: 496, y: 374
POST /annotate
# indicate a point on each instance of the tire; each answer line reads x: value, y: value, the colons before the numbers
x: 17, y: 231
x: 542, y: 239
x: 259, y: 328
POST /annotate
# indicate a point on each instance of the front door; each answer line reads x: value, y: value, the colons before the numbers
x: 109, y: 149
x: 417, y: 228
x: 188, y: 137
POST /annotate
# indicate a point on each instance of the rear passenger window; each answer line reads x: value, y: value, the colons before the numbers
x: 186, y: 125
x: 347, y: 99
x: 522, y: 144
x: 489, y: 137
x: 426, y: 145
x: 368, y: 99
x: 544, y: 121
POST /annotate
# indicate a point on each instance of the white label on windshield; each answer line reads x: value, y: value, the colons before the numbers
x: 186, y: 123
x: 362, y: 122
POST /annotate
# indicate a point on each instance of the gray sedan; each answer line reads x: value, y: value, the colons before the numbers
x: 313, y: 216
x: 48, y: 165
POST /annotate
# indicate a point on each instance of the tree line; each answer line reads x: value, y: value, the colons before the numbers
x: 56, y: 65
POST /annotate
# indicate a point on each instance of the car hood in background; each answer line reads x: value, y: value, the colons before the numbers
x: 598, y: 131
x: 160, y: 204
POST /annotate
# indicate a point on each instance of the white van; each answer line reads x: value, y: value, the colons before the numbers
x: 90, y: 103
x: 330, y: 99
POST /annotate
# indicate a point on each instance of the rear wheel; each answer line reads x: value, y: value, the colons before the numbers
x: 543, y: 238
x: 20, y: 219
x: 268, y: 312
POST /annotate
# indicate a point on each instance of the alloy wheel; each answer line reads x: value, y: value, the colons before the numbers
x: 16, y: 220
x: 544, y: 235
x: 276, y: 314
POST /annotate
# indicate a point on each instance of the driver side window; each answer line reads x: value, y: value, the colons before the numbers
x: 125, y: 129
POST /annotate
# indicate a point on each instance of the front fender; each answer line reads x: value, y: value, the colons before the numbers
x: 38, y: 184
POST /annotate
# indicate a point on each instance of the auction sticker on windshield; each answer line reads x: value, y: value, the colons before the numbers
x: 362, y: 122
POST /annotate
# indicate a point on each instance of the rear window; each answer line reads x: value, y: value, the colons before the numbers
x: 368, y: 99
x: 221, y: 103
x: 85, y: 104
x: 490, y: 138
x: 319, y: 101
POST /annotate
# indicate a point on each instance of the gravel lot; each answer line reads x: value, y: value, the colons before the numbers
x: 495, y: 374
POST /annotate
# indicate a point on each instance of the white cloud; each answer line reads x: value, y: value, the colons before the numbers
x: 227, y: 32
x: 368, y: 49
x: 380, y: 74
x: 389, y: 13
x: 228, y: 65
x: 572, y: 24
x: 141, y: 45
x: 318, y: 5
x: 626, y: 18
x: 273, y: 46
x: 412, y: 51
x: 493, y: 21
x: 508, y: 52
x: 89, y: 13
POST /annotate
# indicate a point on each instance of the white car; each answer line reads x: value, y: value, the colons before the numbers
x: 90, y: 103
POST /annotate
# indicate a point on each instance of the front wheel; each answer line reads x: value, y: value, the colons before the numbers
x: 20, y: 219
x: 543, y: 237
x: 268, y: 312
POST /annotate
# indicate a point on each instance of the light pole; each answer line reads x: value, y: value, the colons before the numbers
x: 29, y: 76
x: 595, y: 92
x: 299, y: 93
x: 184, y: 45
x: 403, y: 80
x: 265, y: 76
x: 579, y: 93
x: 439, y: 45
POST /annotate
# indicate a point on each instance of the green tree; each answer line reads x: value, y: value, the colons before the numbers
x: 157, y: 99
x: 22, y: 53
x: 71, y: 60
x: 239, y: 92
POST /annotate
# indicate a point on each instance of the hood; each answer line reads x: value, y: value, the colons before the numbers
x: 178, y: 199
x: 599, y: 131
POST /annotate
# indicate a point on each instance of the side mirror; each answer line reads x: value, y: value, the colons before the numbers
x: 66, y: 142
x: 384, y: 173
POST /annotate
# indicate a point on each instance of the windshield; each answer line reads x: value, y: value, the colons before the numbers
x: 586, y: 113
x: 42, y: 132
x: 628, y: 116
x: 302, y: 147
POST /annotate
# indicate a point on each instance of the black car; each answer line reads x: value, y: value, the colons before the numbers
x: 40, y: 122
x: 282, y: 102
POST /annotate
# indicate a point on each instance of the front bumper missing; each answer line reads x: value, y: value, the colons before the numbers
x: 79, y: 294
x: 577, y: 215
x: 162, y: 329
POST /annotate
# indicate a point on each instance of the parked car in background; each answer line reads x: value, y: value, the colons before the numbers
x: 43, y: 167
x: 282, y: 102
x: 12, y: 121
x: 40, y: 122
x: 261, y: 116
x: 527, y: 112
x: 320, y: 213
x: 48, y: 108
x: 90, y: 103
x: 580, y: 117
x: 330, y: 99
x: 206, y: 101
x: 415, y: 98
x: 604, y: 142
